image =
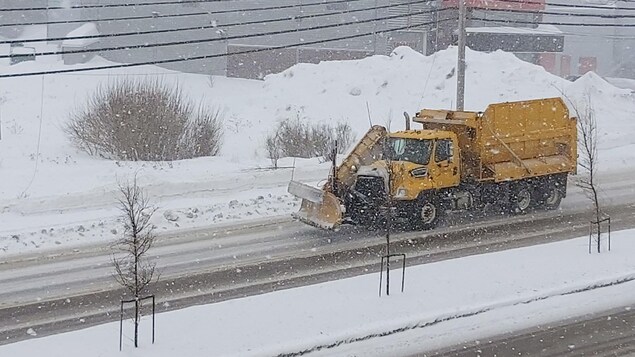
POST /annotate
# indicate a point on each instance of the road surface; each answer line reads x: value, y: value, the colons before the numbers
x: 60, y: 291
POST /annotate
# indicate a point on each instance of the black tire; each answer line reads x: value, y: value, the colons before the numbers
x: 551, y: 196
x: 427, y: 213
x: 521, y: 199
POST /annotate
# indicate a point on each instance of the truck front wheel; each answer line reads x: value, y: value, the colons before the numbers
x: 428, y: 213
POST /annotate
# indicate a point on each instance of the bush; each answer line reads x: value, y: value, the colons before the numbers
x: 144, y: 120
x: 295, y: 138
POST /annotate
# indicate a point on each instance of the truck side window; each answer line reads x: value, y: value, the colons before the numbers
x: 443, y: 151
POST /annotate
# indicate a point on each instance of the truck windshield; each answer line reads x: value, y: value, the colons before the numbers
x: 412, y: 150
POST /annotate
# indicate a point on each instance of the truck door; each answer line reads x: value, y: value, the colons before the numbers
x: 445, y: 165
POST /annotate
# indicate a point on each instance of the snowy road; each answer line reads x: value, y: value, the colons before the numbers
x: 610, y: 333
x: 58, y: 291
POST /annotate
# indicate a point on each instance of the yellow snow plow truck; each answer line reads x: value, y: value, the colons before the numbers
x: 515, y: 156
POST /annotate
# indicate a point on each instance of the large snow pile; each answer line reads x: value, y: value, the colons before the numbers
x: 47, y: 184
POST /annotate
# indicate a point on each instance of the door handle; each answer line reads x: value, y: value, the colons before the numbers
x: 455, y: 170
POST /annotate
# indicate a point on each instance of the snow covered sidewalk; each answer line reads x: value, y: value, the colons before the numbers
x: 483, y: 295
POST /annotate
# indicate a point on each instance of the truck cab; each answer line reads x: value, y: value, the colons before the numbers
x: 423, y: 160
x: 418, y: 163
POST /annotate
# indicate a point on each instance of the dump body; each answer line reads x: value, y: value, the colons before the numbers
x: 511, y: 141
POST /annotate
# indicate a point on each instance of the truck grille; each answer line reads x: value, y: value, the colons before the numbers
x: 371, y: 187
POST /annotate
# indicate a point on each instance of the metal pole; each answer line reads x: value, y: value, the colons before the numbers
x: 388, y: 257
x: 388, y: 225
x: 403, y: 272
x: 120, y: 326
x: 153, y: 304
x: 460, y: 79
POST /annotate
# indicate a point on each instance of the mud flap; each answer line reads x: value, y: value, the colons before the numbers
x: 319, y: 208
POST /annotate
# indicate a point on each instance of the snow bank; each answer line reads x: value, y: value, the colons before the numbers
x: 46, y: 181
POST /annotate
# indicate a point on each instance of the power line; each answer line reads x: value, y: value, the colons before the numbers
x: 290, y: 18
x: 103, y: 6
x: 575, y: 6
x: 204, y: 13
x: 226, y: 38
x: 108, y: 19
x: 213, y: 26
x: 201, y: 13
x: 568, y: 14
x: 262, y: 49
x: 585, y: 24
x: 558, y: 32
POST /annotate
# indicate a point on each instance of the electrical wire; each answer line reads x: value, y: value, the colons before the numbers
x: 202, y: 13
x: 212, y: 26
x: 217, y: 55
x: 225, y: 38
x: 103, y: 6
x: 568, y: 14
x: 291, y: 18
x: 584, y: 24
x: 575, y: 6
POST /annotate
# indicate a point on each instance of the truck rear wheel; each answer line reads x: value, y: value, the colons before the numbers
x: 521, y: 199
x: 551, y: 197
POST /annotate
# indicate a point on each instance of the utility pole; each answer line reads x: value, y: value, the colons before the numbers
x: 460, y: 79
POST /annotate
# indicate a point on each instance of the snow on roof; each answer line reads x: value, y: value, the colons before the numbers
x: 540, y: 30
x: 87, y: 29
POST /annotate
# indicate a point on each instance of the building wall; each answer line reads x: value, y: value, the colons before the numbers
x: 219, y: 64
x: 12, y: 17
x: 613, y: 48
x: 223, y: 34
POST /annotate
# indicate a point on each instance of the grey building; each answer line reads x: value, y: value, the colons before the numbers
x: 609, y: 51
x: 221, y: 32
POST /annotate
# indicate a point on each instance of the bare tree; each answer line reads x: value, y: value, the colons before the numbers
x: 588, y: 142
x: 132, y: 270
x: 272, y: 144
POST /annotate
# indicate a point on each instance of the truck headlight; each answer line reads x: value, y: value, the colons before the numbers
x: 401, y: 193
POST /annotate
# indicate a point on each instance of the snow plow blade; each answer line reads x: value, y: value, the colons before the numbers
x: 319, y: 208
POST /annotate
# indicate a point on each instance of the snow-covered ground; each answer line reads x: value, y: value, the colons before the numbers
x: 54, y: 196
x: 444, y: 303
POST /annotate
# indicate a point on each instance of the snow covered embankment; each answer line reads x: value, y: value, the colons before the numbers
x: 69, y: 198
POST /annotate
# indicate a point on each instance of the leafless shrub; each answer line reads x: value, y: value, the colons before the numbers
x: 272, y: 145
x: 132, y: 271
x: 342, y: 135
x: 144, y: 120
x: 296, y: 138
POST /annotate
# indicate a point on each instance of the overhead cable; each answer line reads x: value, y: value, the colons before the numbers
x: 225, y: 38
x: 204, y: 27
x: 217, y: 55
